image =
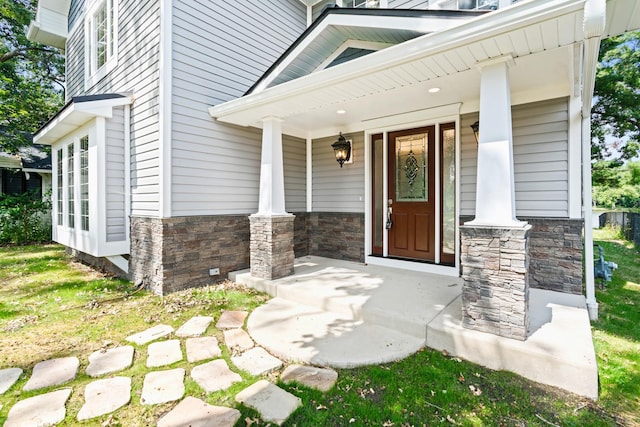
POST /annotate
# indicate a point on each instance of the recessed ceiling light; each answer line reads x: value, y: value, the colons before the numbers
x: 341, y: 112
x: 434, y: 90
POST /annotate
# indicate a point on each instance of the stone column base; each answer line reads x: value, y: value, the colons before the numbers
x: 495, y: 292
x: 271, y: 246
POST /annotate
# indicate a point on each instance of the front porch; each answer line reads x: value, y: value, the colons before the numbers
x: 345, y: 314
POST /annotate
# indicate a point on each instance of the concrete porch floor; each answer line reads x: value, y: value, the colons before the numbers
x: 344, y: 314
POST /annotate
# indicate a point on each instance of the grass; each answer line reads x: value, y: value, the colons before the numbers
x: 51, y: 307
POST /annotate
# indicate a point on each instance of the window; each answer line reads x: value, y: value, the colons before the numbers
x: 59, y: 187
x: 101, y: 40
x: 84, y: 183
x: 17, y: 182
x: 70, y: 186
x: 362, y: 3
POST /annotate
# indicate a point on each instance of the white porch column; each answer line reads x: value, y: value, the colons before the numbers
x: 495, y: 189
x: 271, y: 169
x: 272, y: 228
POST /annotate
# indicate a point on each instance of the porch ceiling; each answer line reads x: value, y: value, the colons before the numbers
x: 539, y: 35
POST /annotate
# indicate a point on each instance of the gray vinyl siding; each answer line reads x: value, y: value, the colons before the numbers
x: 317, y: 9
x: 219, y: 50
x: 336, y: 189
x: 295, y: 173
x: 115, y: 179
x: 75, y: 12
x: 408, y: 4
x: 540, y: 151
x: 75, y: 62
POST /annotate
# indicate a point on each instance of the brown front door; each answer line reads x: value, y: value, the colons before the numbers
x: 411, y: 197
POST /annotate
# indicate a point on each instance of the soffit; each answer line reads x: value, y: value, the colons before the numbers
x: 622, y: 16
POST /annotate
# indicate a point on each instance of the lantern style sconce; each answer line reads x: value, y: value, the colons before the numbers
x: 476, y: 131
x: 342, y: 150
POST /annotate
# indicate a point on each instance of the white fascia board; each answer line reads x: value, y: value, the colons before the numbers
x: 75, y: 115
x: 30, y: 170
x: 486, y: 26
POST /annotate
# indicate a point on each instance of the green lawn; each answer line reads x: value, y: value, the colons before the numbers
x: 50, y: 307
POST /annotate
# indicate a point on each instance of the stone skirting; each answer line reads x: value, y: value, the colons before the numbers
x: 172, y: 254
x: 495, y: 292
x: 555, y: 250
x: 556, y: 254
x: 271, y: 246
x: 101, y: 264
x: 337, y: 235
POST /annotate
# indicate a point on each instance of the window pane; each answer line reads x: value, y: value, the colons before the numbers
x: 100, y: 35
x: 411, y: 168
x: 60, y: 202
x: 70, y: 186
x: 448, y: 191
x: 84, y: 183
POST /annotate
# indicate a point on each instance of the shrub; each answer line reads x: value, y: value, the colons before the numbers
x: 24, y: 218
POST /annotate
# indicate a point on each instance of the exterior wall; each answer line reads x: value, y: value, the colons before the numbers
x: 116, y: 215
x: 171, y: 254
x: 219, y: 50
x: 338, y: 189
x: 137, y: 71
x: 336, y: 235
x: 540, y: 144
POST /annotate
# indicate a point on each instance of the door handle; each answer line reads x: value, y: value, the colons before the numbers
x: 389, y: 220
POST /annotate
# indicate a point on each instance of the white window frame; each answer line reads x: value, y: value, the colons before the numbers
x: 93, y: 72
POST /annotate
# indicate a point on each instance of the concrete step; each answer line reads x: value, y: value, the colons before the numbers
x: 304, y: 334
x: 405, y: 301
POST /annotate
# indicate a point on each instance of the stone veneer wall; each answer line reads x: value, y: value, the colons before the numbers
x: 101, y: 264
x: 334, y: 235
x: 495, y: 290
x: 171, y: 254
x: 555, y: 253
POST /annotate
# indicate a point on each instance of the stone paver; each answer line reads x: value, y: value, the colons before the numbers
x: 231, y: 319
x: 42, y: 410
x: 162, y: 386
x: 215, y: 375
x: 238, y: 339
x: 256, y: 361
x: 319, y: 378
x: 202, y: 348
x: 194, y: 327
x: 116, y: 359
x: 196, y: 413
x: 8, y: 377
x: 164, y: 353
x: 274, y: 404
x: 52, y: 372
x: 150, y: 334
x: 105, y: 396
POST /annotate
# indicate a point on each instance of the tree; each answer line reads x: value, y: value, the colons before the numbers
x: 616, y: 112
x: 31, y: 77
x: 616, y: 184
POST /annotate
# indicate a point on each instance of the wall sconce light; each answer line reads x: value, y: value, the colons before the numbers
x: 342, y: 150
x: 476, y: 131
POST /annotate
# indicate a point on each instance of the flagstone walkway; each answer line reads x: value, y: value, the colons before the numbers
x: 106, y: 395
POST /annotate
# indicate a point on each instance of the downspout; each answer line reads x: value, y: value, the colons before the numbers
x: 593, y: 28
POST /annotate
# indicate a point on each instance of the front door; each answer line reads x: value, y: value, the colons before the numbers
x: 411, y: 196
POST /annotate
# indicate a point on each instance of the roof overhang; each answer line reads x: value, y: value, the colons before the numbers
x: 544, y: 38
x: 50, y: 24
x: 78, y: 111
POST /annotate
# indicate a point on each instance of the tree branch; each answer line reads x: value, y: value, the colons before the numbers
x: 23, y: 52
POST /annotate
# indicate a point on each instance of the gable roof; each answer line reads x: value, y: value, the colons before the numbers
x: 338, y: 29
